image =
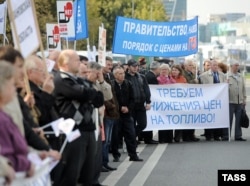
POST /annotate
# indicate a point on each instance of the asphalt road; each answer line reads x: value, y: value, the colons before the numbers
x: 181, y: 164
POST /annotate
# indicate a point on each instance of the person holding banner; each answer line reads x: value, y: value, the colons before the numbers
x: 189, y: 134
x: 213, y: 76
x: 13, y: 144
x: 176, y: 73
x: 42, y: 86
x: 237, y: 100
x: 76, y: 98
x: 151, y: 77
x: 142, y: 97
x: 15, y: 109
x: 165, y: 136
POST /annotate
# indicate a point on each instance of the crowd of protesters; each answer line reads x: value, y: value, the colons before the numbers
x: 108, y: 104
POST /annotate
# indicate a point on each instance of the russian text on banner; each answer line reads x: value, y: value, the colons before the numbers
x: 26, y: 34
x: 150, y: 38
x: 188, y: 106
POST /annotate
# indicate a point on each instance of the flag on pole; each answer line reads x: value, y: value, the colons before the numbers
x: 80, y: 20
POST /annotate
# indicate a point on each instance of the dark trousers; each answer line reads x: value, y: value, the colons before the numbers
x: 98, y: 162
x: 165, y: 136
x: 188, y: 134
x: 128, y: 132
x: 147, y: 136
x: 115, y: 139
x: 78, y: 154
x: 140, y: 119
x: 213, y: 133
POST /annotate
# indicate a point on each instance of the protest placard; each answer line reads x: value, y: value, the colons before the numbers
x: 26, y: 33
x: 65, y: 18
x: 151, y: 38
x: 102, y: 46
x: 53, y: 36
x: 188, y: 106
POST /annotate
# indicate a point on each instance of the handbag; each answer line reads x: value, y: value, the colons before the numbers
x: 244, y: 120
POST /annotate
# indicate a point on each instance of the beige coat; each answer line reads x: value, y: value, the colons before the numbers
x: 208, y: 78
x: 237, y: 89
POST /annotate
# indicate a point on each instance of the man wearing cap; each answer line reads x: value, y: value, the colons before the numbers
x: 142, y: 66
x: 142, y: 97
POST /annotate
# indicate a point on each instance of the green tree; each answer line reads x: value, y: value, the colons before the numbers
x: 98, y: 11
x: 146, y: 10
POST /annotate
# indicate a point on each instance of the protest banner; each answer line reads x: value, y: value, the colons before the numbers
x: 53, y: 37
x: 26, y: 33
x: 65, y: 18
x: 188, y: 106
x: 150, y: 38
x: 2, y: 18
x: 102, y: 46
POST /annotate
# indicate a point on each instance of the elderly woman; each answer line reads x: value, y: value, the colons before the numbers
x: 165, y: 136
x: 164, y: 77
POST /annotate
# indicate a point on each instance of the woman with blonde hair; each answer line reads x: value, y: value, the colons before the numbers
x: 165, y: 136
x: 164, y: 77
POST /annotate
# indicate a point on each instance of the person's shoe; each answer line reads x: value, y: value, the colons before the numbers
x: 195, y: 139
x: 136, y: 158
x: 240, y: 139
x: 217, y: 139
x: 116, y: 159
x: 109, y: 168
x: 104, y: 169
x: 186, y: 139
x: 224, y: 139
x: 151, y: 142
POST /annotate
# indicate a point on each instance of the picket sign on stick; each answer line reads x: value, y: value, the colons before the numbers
x: 26, y: 34
x: 40, y: 40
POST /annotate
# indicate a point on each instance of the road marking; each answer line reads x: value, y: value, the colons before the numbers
x: 115, y: 176
x: 148, y: 167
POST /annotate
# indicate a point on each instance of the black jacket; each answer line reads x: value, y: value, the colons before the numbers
x: 125, y: 96
x: 31, y: 137
x: 44, y: 103
x: 140, y: 88
x: 76, y: 98
x: 151, y: 78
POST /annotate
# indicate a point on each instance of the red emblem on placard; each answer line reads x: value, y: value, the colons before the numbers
x: 56, y: 34
x: 68, y: 9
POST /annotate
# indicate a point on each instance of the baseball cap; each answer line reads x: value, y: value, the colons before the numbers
x: 132, y: 62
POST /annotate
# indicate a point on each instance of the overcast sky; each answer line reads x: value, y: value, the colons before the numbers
x: 203, y: 8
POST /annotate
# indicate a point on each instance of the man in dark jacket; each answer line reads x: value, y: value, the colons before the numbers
x: 76, y: 98
x: 111, y: 117
x: 151, y: 77
x: 142, y: 100
x: 124, y: 93
x: 42, y: 86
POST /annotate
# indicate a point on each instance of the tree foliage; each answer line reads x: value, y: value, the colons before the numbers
x: 99, y: 11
